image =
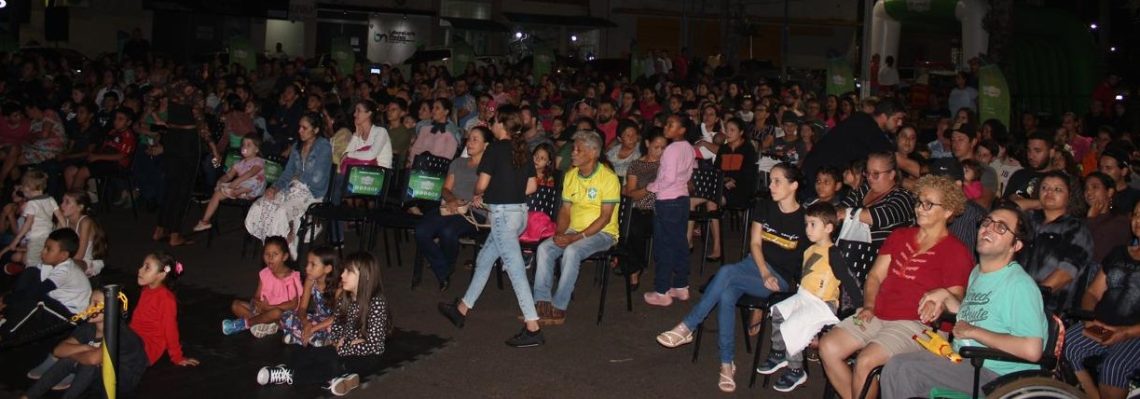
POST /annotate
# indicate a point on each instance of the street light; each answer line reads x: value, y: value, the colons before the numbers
x: 574, y: 38
x: 1112, y: 49
x: 518, y: 35
x: 1093, y: 26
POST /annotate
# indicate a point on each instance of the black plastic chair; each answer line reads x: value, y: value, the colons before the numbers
x: 395, y: 219
x: 366, y: 183
x: 708, y: 184
x: 103, y: 185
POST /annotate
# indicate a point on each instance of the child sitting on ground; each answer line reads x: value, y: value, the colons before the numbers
x: 800, y: 317
x: 57, y: 282
x: 278, y: 290
x: 245, y: 180
x: 156, y: 314
x: 362, y: 324
x: 309, y: 324
x: 38, y: 212
x: 81, y: 358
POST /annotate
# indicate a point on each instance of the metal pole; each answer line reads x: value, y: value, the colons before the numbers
x: 111, y: 313
x: 865, y: 49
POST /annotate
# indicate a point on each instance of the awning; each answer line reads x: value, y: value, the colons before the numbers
x: 485, y: 25
x: 560, y: 20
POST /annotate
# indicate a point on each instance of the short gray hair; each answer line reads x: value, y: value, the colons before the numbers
x: 590, y: 139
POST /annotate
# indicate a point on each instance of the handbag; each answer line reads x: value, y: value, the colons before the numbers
x: 459, y: 210
x: 854, y: 243
x: 539, y: 227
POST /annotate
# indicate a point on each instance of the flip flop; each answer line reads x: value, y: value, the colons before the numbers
x: 671, y: 339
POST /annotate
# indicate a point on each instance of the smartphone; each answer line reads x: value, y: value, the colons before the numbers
x: 1100, y: 332
x: 374, y: 70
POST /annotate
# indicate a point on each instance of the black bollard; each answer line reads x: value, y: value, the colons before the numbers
x: 111, y: 314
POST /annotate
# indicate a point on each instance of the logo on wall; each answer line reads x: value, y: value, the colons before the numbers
x: 395, y: 37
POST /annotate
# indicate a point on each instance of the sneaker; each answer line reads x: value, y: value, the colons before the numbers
x: 344, y: 384
x: 38, y: 372
x: 658, y: 299
x: 13, y: 268
x: 773, y: 364
x: 263, y: 330
x: 680, y: 294
x: 556, y: 317
x: 451, y: 312
x: 790, y: 380
x: 526, y: 339
x: 65, y: 383
x: 233, y: 326
x: 811, y: 355
x: 278, y: 374
x: 288, y: 339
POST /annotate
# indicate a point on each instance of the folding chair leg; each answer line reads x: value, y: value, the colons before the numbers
x: 697, y: 341
x: 605, y: 286
x: 759, y: 348
x: 417, y: 269
x: 875, y: 373
x: 744, y: 319
x: 628, y: 294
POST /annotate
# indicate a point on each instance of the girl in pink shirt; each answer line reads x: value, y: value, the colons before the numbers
x: 278, y: 290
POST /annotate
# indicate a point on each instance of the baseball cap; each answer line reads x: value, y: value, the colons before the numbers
x: 948, y: 167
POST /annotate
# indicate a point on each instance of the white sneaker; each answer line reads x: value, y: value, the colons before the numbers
x: 278, y: 374
x: 344, y: 384
x: 38, y: 372
x: 264, y: 329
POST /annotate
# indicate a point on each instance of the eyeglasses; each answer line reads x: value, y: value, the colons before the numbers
x: 925, y: 205
x: 874, y: 175
x: 1053, y: 189
x: 998, y: 226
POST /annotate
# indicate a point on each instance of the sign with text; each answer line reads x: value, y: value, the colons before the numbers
x: 423, y: 185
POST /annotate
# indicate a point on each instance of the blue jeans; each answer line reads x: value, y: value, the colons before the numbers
x: 441, y: 256
x: 507, y: 222
x: 730, y: 283
x: 670, y: 247
x: 572, y: 257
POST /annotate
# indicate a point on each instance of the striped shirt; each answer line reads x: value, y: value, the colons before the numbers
x: 895, y: 209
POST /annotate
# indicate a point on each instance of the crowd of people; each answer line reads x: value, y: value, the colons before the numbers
x: 874, y: 215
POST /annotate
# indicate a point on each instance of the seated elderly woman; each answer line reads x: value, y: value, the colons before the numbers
x: 1002, y: 309
x: 458, y: 190
x: 304, y: 181
x: 1114, y: 332
x: 912, y: 262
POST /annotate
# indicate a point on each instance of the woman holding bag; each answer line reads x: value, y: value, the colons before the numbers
x: 885, y: 205
x: 446, y: 223
x: 506, y: 176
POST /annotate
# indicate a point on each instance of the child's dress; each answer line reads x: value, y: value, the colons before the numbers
x: 255, y: 184
x: 320, y: 309
x: 276, y: 290
x: 972, y: 190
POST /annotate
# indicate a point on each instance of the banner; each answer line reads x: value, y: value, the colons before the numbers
x: 423, y: 185
x: 341, y: 52
x: 840, y: 79
x: 543, y: 60
x: 241, y: 53
x: 365, y: 181
x: 461, y: 55
x: 993, y: 95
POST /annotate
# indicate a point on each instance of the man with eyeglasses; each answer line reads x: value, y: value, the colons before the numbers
x: 855, y: 138
x: 1002, y: 309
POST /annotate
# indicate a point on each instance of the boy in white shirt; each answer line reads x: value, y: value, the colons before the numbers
x: 58, y: 283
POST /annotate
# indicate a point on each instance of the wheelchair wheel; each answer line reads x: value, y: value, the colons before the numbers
x: 1036, y: 387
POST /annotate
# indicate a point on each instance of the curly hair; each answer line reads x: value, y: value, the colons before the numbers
x: 952, y: 197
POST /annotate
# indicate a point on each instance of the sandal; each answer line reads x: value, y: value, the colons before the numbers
x: 727, y: 382
x: 202, y: 226
x: 672, y: 339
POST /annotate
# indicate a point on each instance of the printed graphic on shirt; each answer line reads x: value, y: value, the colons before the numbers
x: 974, y: 307
x: 909, y: 262
x: 782, y: 240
